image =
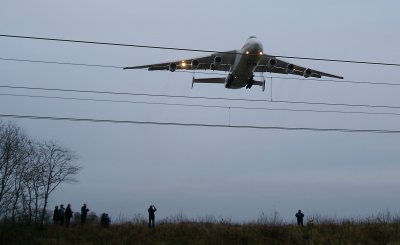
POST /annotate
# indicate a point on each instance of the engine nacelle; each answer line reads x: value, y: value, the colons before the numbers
x: 172, y: 67
x: 217, y: 60
x: 195, y: 64
x: 271, y: 63
x: 307, y: 73
x: 289, y: 69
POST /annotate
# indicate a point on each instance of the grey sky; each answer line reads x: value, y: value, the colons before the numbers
x: 236, y: 173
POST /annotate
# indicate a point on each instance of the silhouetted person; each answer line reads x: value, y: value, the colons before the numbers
x: 61, y: 215
x: 56, y: 215
x: 299, y: 216
x: 84, y: 212
x: 151, y: 211
x: 105, y: 220
x: 68, y: 215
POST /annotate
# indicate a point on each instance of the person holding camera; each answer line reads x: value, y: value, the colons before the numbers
x: 152, y: 209
x: 299, y: 215
x: 84, y: 212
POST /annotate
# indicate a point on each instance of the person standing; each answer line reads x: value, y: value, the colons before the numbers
x: 151, y: 211
x: 61, y: 214
x: 84, y: 212
x: 56, y: 215
x: 299, y: 216
x: 68, y: 215
x: 105, y: 220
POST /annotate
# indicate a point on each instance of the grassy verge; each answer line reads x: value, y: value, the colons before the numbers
x: 202, y: 233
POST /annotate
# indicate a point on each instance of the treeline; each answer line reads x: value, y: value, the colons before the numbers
x: 30, y: 171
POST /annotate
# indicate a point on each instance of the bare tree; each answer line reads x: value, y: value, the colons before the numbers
x: 58, y: 166
x: 23, y: 173
x: 33, y: 191
x: 12, y: 155
x: 29, y: 173
x: 24, y: 151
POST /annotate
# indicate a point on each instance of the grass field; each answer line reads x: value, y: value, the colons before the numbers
x: 207, y: 233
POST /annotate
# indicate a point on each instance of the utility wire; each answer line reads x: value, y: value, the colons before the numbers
x: 201, y: 97
x: 92, y: 120
x: 96, y: 65
x: 192, y: 50
x: 333, y: 81
x: 201, y: 72
x: 58, y: 63
x: 199, y: 105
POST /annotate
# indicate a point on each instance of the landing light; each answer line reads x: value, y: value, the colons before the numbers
x: 261, y: 53
x: 183, y: 64
x: 247, y: 52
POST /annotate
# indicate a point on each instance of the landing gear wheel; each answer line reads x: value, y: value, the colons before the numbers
x: 250, y: 82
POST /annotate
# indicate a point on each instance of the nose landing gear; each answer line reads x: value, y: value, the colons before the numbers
x: 250, y: 82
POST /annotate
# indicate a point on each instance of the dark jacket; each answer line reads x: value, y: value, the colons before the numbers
x: 299, y: 216
x: 68, y: 212
x: 84, y: 210
x: 151, y: 211
x: 56, y: 214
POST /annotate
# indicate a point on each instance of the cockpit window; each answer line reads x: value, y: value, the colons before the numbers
x: 252, y: 37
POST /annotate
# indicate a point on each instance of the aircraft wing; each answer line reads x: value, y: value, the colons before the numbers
x: 283, y: 67
x: 201, y: 63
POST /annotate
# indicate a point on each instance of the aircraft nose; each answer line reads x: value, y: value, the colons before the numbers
x: 257, y: 48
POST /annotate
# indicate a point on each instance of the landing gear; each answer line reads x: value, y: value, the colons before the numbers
x: 250, y: 82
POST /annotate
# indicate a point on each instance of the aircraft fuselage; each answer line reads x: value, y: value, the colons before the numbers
x: 246, y: 61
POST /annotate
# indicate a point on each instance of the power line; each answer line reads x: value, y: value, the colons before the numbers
x: 335, y: 104
x: 92, y: 120
x: 58, y: 63
x: 200, y: 105
x: 200, y: 72
x: 334, y: 81
x: 192, y: 50
x: 203, y: 97
x: 94, y: 65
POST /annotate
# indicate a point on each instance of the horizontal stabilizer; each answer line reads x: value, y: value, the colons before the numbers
x: 208, y: 80
x: 260, y: 83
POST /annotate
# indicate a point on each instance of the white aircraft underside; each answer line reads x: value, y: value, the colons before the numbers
x: 241, y: 65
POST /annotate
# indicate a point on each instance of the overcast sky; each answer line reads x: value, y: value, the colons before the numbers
x: 237, y: 173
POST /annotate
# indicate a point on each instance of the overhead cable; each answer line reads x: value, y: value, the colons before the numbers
x: 202, y: 72
x: 58, y: 63
x: 92, y: 120
x: 192, y: 50
x: 199, y: 105
x: 202, y: 97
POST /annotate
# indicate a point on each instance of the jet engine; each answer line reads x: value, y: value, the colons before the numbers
x: 172, y: 67
x: 289, y: 68
x: 217, y: 60
x: 307, y: 73
x: 195, y: 64
x: 271, y: 63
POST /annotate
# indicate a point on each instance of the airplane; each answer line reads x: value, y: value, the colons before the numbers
x: 241, y: 65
